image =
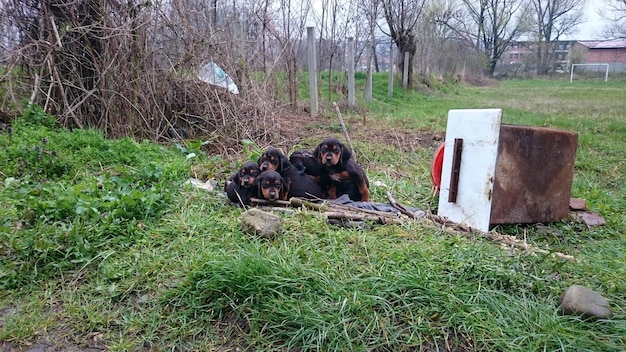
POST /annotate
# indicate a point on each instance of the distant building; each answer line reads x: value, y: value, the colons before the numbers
x: 612, y: 52
x: 561, y: 58
x: 523, y: 53
x: 518, y: 52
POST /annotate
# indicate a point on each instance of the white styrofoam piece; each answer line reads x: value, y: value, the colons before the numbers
x: 480, y: 131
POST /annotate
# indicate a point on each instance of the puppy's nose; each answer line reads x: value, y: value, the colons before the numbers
x: 273, y: 194
x: 263, y: 166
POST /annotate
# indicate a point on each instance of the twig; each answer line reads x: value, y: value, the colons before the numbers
x: 496, y: 237
x: 341, y: 211
x: 363, y: 217
x: 326, y: 206
x: 35, y: 90
x: 512, y: 241
x: 401, y: 208
x: 344, y: 130
x: 56, y: 32
x: 257, y: 201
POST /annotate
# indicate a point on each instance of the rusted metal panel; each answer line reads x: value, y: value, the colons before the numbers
x: 533, y: 176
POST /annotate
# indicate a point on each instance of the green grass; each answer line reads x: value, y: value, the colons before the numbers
x: 103, y: 245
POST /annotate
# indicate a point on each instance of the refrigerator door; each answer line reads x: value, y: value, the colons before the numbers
x: 468, y: 169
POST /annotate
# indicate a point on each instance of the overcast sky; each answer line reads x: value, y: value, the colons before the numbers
x: 589, y: 30
x: 592, y: 28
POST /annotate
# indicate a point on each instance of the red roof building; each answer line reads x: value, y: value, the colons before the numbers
x: 605, y: 51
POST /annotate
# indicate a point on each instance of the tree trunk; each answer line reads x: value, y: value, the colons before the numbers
x: 405, y: 44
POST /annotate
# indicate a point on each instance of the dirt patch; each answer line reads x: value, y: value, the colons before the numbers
x: 480, y: 81
x: 293, y: 129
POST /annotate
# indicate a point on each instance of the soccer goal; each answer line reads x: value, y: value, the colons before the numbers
x: 606, y: 70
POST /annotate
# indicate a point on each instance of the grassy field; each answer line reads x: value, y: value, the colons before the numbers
x: 103, y: 245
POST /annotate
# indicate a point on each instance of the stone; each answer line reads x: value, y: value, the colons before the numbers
x: 260, y: 223
x: 578, y: 204
x: 582, y: 301
x: 589, y: 218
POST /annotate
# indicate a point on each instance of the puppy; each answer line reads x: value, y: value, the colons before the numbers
x: 273, y: 159
x: 302, y: 185
x: 271, y: 186
x: 342, y: 174
x: 241, y: 185
x: 304, y: 160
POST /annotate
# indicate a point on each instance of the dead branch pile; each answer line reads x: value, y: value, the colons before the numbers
x: 345, y: 212
x: 129, y: 68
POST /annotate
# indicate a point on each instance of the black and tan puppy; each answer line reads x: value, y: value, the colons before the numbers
x: 271, y: 186
x: 304, y: 160
x: 240, y: 186
x: 273, y: 159
x: 303, y: 185
x: 342, y: 174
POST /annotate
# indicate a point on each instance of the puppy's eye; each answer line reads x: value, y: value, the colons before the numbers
x: 277, y: 184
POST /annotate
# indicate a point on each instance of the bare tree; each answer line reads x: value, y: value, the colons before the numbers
x: 334, y: 21
x: 441, y: 51
x: 289, y: 34
x: 370, y: 11
x: 551, y: 20
x: 489, y: 26
x: 615, y: 13
x: 402, y: 18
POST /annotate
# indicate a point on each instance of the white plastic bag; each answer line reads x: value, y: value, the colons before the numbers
x: 213, y: 74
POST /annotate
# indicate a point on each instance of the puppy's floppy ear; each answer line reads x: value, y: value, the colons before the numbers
x: 346, y: 154
x: 316, y: 153
x: 235, y: 177
x: 257, y: 184
x: 284, y: 189
x: 285, y: 164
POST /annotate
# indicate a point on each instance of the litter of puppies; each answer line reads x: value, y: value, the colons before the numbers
x: 327, y: 172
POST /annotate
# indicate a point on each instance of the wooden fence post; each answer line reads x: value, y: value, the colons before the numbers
x: 391, y: 65
x: 351, y: 72
x: 312, y: 62
x: 405, y: 71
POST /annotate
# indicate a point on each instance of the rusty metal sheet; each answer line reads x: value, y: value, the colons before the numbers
x: 533, y: 176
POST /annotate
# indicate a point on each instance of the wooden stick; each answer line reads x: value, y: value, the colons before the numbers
x: 258, y: 201
x: 401, y: 208
x: 35, y: 90
x: 362, y: 217
x: 499, y: 238
x: 343, y: 129
x: 326, y: 206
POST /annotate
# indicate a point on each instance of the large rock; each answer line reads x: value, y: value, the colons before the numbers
x: 580, y: 300
x: 260, y: 223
